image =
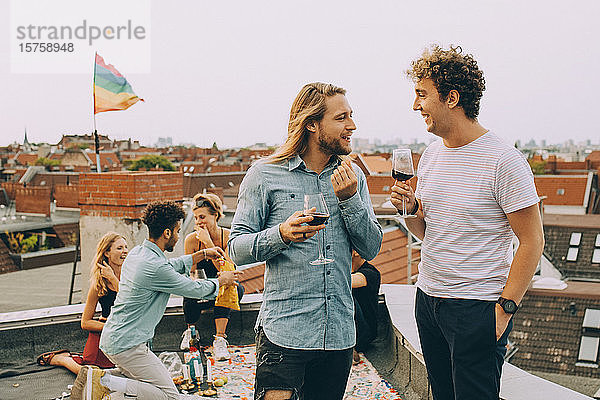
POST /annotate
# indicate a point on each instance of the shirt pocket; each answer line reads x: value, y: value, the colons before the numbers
x: 285, y: 204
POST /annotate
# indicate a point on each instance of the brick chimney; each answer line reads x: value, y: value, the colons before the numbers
x: 114, y: 201
x: 551, y: 164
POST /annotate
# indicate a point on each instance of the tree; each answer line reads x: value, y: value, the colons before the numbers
x: 150, y: 162
x: 46, y: 162
x: 538, y: 167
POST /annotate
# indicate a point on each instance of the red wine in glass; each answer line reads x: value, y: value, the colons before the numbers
x: 401, y: 176
x: 315, y: 206
x: 318, y: 218
x: 403, y: 170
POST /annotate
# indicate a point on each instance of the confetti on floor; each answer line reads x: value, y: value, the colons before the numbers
x: 364, y: 381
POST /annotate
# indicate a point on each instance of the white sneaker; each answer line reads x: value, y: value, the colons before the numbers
x: 185, y: 340
x: 220, y: 350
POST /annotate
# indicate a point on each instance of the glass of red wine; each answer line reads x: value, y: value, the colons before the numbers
x: 316, y: 207
x: 403, y: 170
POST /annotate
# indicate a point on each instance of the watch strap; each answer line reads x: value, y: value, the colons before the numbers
x: 415, y: 208
x: 506, y: 307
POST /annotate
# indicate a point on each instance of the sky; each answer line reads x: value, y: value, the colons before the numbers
x: 227, y: 72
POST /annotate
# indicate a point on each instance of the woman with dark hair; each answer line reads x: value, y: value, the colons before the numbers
x: 208, y: 210
x: 104, y: 284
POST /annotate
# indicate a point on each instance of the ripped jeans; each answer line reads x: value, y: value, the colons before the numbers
x: 308, y: 374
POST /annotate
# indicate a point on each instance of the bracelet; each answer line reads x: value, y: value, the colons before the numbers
x: 415, y: 208
x: 204, y: 254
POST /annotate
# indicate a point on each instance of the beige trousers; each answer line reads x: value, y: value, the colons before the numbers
x: 148, y: 378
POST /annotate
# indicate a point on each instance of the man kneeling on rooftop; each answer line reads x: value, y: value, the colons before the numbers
x: 148, y: 278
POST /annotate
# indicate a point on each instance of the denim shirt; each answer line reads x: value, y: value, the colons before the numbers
x: 148, y: 279
x: 304, y: 306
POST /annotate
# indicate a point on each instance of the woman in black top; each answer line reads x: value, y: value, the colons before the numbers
x: 208, y: 210
x: 104, y: 284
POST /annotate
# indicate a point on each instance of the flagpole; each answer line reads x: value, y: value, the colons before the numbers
x: 96, y: 139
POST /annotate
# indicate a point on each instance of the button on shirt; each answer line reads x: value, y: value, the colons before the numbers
x: 148, y: 278
x: 304, y: 306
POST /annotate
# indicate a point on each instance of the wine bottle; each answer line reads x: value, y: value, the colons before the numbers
x: 194, y: 342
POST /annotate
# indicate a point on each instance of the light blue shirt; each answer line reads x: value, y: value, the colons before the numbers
x: 148, y: 278
x: 304, y: 306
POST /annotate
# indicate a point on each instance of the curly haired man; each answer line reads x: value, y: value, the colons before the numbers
x: 148, y: 279
x: 473, y: 192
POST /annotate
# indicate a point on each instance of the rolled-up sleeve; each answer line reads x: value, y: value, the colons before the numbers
x: 249, y: 241
x: 358, y: 215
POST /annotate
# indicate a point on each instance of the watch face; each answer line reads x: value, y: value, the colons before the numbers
x: 510, y: 306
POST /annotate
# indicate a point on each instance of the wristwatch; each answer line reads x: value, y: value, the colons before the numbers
x: 415, y: 208
x: 509, y: 306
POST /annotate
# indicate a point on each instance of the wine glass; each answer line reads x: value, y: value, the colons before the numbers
x: 315, y: 206
x: 403, y: 170
x: 198, y: 274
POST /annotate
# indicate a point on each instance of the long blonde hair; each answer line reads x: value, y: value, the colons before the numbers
x: 309, y: 106
x: 104, y: 245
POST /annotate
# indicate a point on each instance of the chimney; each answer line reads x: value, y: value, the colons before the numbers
x: 114, y: 201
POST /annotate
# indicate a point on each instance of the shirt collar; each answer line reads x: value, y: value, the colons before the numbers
x: 297, y: 161
x: 152, y: 246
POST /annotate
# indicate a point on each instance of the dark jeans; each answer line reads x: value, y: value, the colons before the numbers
x: 193, y: 307
x: 458, y: 338
x: 309, y: 374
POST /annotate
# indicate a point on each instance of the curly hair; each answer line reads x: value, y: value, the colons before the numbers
x: 161, y: 215
x: 451, y: 70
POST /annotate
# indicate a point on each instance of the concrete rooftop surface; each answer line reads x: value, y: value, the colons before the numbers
x: 35, y: 299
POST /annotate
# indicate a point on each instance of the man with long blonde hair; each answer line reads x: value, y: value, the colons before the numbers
x: 305, y: 328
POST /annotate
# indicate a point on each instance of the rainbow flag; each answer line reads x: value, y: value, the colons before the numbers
x: 111, y: 89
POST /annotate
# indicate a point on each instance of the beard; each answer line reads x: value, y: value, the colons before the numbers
x: 170, y: 245
x: 333, y: 146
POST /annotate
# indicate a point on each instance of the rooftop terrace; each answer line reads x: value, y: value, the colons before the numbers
x: 396, y: 353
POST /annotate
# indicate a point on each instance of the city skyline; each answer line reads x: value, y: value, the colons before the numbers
x: 229, y: 73
x: 168, y: 141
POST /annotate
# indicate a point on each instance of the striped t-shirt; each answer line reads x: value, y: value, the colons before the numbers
x: 465, y: 193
